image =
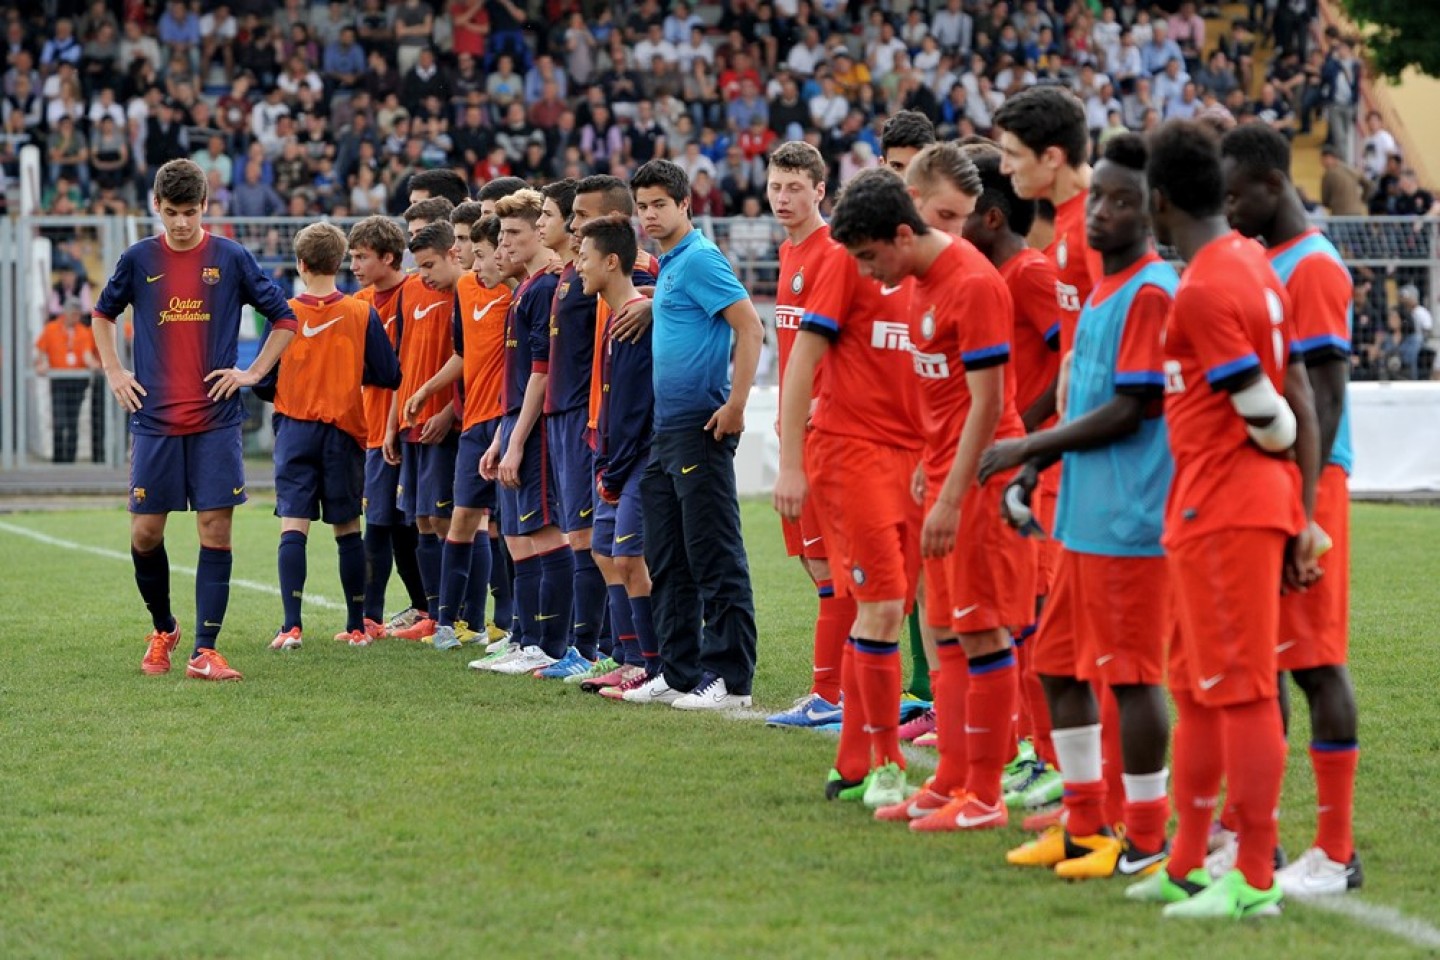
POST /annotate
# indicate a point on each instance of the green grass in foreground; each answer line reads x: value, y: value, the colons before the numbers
x: 387, y: 802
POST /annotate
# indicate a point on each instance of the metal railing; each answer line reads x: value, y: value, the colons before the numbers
x: 1387, y: 251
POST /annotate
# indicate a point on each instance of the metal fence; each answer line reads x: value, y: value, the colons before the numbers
x: 1384, y: 253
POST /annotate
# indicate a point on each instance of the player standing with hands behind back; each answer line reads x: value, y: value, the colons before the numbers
x: 187, y: 287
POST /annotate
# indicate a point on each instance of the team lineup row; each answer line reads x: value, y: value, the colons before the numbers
x: 557, y: 413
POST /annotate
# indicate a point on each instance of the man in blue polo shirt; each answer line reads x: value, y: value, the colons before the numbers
x: 704, y: 611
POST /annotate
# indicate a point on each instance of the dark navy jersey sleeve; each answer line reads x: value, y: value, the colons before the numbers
x: 261, y: 291
x: 119, y: 290
x: 536, y: 312
x: 628, y: 427
x: 382, y: 365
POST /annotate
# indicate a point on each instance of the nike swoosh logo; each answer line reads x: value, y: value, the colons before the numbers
x: 886, y: 290
x: 236, y: 491
x: 585, y: 513
x: 628, y: 536
x: 958, y: 614
x: 476, y: 313
x: 388, y: 322
x: 970, y: 729
x: 1285, y: 646
x: 963, y: 821
x: 209, y: 624
x: 1127, y: 867
x: 1209, y: 682
x: 811, y: 540
x: 1101, y: 661
x: 310, y: 331
x: 527, y: 516
x: 203, y: 673
x: 157, y: 276
x: 442, y: 504
x: 419, y: 314
x: 690, y: 469
x: 546, y: 616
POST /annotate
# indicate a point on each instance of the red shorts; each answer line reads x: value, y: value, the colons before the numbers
x: 870, y: 521
x: 992, y: 571
x: 939, y: 575
x: 1053, y: 648
x: 1315, y: 625
x: 1123, y: 618
x: 1227, y: 601
x: 804, y: 538
x: 1047, y: 552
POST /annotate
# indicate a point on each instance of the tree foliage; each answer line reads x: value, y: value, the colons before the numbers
x: 1400, y: 34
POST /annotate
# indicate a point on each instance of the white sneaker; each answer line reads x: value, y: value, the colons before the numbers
x: 1313, y: 874
x: 1221, y: 860
x: 495, y: 657
x: 528, y: 660
x: 712, y: 696
x: 654, y: 690
x: 496, y: 646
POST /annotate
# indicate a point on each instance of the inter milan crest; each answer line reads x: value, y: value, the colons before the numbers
x: 927, y: 324
x: 858, y: 575
x: 1062, y: 253
x: 211, y: 275
x: 797, y: 282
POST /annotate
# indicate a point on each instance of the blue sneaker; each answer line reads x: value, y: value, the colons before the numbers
x: 911, y: 707
x: 443, y: 638
x: 811, y: 710
x: 567, y: 666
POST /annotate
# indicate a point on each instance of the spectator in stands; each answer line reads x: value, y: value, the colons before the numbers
x: 414, y: 27
x: 1340, y: 78
x: 65, y: 344
x: 1342, y: 189
x: 1271, y: 109
x: 254, y: 198
x: 1187, y: 29
x: 1417, y: 326
x: 1378, y: 146
x: 1410, y: 199
x: 109, y: 154
x: 1159, y: 51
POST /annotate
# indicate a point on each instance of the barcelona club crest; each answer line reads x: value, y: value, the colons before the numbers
x: 563, y: 291
x: 797, y: 282
x: 138, y: 494
x: 927, y: 324
x: 1062, y: 253
x: 211, y: 275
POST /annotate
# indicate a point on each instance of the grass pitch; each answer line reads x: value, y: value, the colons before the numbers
x: 386, y: 802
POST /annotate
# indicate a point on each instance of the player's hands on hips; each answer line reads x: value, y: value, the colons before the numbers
x: 438, y: 426
x: 490, y: 462
x: 937, y: 537
x: 791, y: 489
x: 1004, y: 455
x: 126, y: 388
x: 729, y: 420
x: 630, y: 324
x: 224, y: 384
x: 509, y: 471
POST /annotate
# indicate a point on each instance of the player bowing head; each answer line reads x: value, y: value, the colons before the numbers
x: 878, y: 223
x: 1185, y: 177
x: 945, y: 185
x: 436, y: 259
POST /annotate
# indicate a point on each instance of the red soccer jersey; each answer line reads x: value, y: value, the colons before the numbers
x: 377, y: 399
x: 482, y: 343
x: 869, y: 391
x: 429, y: 341
x: 1230, y: 317
x: 799, y: 270
x: 1030, y: 277
x: 961, y: 319
x: 1321, y: 293
x: 1077, y: 267
x: 319, y: 379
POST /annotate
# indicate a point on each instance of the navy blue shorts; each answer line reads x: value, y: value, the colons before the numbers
x: 529, y: 507
x: 574, y: 469
x: 427, y: 478
x: 471, y: 489
x: 199, y: 471
x: 381, y: 479
x: 319, y: 471
x: 620, y: 529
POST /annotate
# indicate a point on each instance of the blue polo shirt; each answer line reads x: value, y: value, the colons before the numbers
x: 691, y: 340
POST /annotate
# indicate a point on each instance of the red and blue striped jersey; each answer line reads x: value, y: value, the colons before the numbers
x: 527, y: 336
x: 572, y: 344
x: 187, y: 314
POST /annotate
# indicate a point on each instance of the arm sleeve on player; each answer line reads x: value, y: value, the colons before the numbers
x: 713, y: 283
x: 831, y: 295
x: 1037, y: 289
x: 1322, y: 294
x: 1216, y: 329
x: 382, y: 366
x: 982, y: 320
x: 457, y: 329
x: 398, y: 305
x: 539, y: 302
x: 1140, y: 361
x: 630, y: 413
x: 119, y: 290
x: 262, y: 292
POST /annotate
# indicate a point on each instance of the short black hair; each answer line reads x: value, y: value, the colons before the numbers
x: 431, y: 209
x: 468, y: 212
x: 664, y: 174
x: 563, y: 193
x: 998, y: 192
x: 1047, y: 116
x: 442, y: 183
x: 1258, y: 149
x: 908, y: 128
x: 486, y: 230
x: 1128, y: 150
x: 874, y: 206
x: 438, y: 236
x: 501, y: 187
x: 1185, y: 167
x: 613, y: 233
x: 616, y: 192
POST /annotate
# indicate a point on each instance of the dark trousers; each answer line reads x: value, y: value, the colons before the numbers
x: 704, y: 610
x: 66, y: 396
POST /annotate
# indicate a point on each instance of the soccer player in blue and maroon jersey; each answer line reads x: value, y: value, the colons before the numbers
x: 187, y: 288
x: 544, y: 565
x: 630, y: 613
x: 320, y: 428
x: 606, y: 264
x: 567, y: 398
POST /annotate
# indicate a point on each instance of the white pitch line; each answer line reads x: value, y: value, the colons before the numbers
x: 1378, y: 917
x: 256, y: 586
